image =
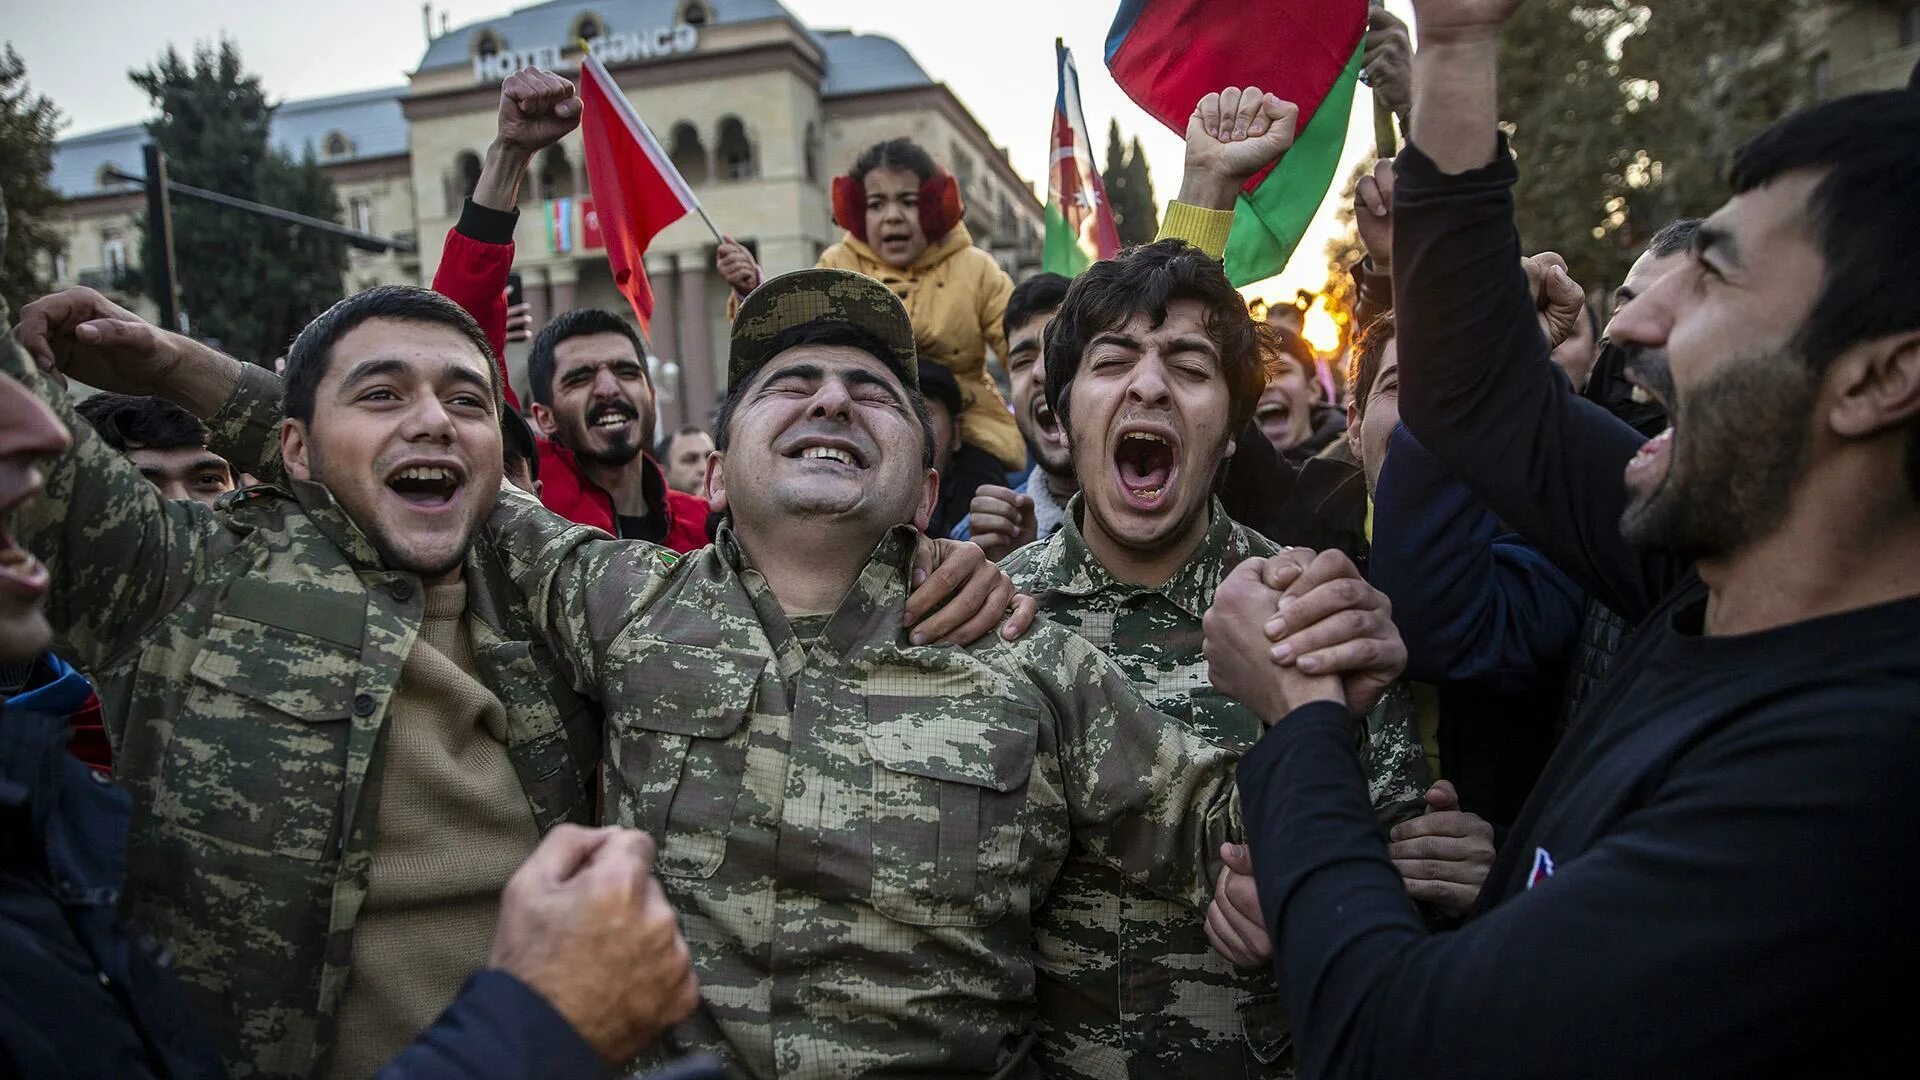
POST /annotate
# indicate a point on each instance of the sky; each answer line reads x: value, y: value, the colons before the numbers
x: 997, y: 55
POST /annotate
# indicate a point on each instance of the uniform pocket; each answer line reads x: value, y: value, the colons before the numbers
x: 259, y: 748
x: 952, y: 753
x: 1264, y: 1022
x: 679, y: 748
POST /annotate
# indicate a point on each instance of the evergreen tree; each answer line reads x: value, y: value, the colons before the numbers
x: 1622, y: 116
x: 1129, y: 190
x: 1146, y: 212
x: 28, y: 124
x: 249, y: 282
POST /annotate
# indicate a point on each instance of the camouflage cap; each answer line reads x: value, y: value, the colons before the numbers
x: 821, y: 295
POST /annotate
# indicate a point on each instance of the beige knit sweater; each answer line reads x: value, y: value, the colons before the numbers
x: 453, y: 826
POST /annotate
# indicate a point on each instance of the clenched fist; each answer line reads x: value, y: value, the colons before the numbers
x: 585, y: 924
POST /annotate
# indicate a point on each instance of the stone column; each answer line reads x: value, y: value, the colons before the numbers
x: 696, y: 338
x: 663, y: 271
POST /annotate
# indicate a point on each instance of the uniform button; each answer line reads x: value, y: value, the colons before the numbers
x: 401, y: 588
x: 104, y: 981
x: 363, y: 704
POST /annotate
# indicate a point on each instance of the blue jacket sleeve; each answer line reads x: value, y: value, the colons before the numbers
x: 1479, y: 387
x: 498, y: 1028
x: 1471, y: 604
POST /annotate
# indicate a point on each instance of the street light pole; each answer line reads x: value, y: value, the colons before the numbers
x: 160, y: 276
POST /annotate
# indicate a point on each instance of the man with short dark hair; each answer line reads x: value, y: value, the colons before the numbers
x: 1001, y: 519
x: 164, y: 441
x: 1738, y: 806
x: 249, y: 657
x: 593, y: 401
x: 684, y: 456
x: 1153, y: 365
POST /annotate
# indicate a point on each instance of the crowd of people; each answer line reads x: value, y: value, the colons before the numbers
x: 1541, y: 700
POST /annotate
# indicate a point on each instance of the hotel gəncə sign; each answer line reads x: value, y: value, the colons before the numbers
x: 610, y: 49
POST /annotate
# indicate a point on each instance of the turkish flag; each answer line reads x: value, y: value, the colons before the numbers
x: 632, y: 179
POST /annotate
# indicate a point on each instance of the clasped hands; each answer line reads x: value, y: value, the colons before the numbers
x: 1297, y: 628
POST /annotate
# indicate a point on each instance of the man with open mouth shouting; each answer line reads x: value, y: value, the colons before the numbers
x: 339, y: 727
x: 1153, y: 366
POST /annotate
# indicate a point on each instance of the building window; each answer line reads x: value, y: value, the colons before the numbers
x: 587, y: 26
x: 337, y: 145
x: 488, y: 43
x: 360, y: 213
x: 465, y: 177
x: 60, y: 267
x: 556, y: 173
x: 113, y: 254
x: 695, y: 13
x: 687, y: 154
x: 1821, y: 76
x: 1910, y: 26
x: 811, y: 151
x: 736, y: 152
x: 962, y: 168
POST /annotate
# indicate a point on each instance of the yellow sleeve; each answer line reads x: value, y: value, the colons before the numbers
x: 996, y: 288
x: 1203, y: 228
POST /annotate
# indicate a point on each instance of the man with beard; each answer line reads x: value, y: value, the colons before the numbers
x: 1002, y: 519
x: 593, y: 400
x: 1153, y: 364
x: 1739, y: 804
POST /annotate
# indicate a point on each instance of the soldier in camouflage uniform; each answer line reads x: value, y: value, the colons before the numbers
x: 857, y: 830
x: 246, y: 658
x: 1129, y: 985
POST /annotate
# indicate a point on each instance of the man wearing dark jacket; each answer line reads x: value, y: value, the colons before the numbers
x: 1739, y: 806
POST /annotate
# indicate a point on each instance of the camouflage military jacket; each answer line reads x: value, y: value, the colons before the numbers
x: 856, y: 834
x: 1129, y: 985
x: 245, y: 659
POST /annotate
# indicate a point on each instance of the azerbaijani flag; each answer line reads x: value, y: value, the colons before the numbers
x: 636, y: 190
x: 560, y: 226
x: 1168, y: 54
x: 1079, y: 221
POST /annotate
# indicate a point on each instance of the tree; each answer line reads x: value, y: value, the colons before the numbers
x: 1129, y: 190
x: 1622, y: 116
x: 28, y: 124
x: 248, y: 281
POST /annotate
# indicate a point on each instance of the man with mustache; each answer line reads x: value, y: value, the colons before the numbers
x: 1739, y: 803
x: 593, y: 398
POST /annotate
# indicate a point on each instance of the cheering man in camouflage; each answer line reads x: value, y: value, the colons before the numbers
x: 856, y: 828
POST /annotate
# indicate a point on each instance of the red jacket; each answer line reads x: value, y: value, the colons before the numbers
x: 473, y: 274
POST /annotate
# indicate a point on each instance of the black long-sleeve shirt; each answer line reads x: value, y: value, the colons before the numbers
x: 1713, y: 876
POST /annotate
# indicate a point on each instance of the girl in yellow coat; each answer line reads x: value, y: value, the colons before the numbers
x: 902, y: 216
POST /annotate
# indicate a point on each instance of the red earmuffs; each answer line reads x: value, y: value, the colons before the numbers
x: 940, y: 206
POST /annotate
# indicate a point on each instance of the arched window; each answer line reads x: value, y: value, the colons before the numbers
x: 465, y: 177
x: 687, y: 154
x: 812, y: 152
x: 337, y: 145
x: 695, y: 13
x: 556, y: 173
x: 587, y: 26
x: 735, y: 151
x: 488, y: 43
